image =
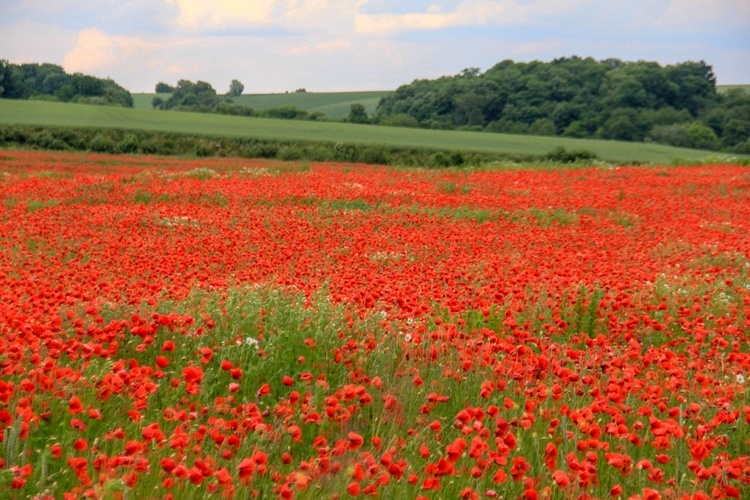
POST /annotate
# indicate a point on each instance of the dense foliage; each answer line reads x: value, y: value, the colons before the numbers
x: 161, y: 143
x: 51, y: 82
x: 575, y: 97
x: 202, y: 97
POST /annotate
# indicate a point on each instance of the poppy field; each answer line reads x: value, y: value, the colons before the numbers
x: 227, y: 328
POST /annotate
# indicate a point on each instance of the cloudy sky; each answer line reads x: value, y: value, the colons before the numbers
x: 337, y: 45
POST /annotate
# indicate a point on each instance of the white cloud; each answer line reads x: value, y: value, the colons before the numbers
x: 700, y: 12
x: 96, y: 51
x: 466, y: 13
x: 325, y: 15
x: 324, y: 47
x: 26, y: 42
x: 530, y: 48
x: 56, y: 6
x: 224, y: 13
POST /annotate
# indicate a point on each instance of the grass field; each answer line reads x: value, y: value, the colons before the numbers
x: 72, y: 115
x: 725, y: 88
x: 335, y: 105
x: 143, y: 101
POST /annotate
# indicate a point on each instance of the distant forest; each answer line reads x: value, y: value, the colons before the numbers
x: 50, y: 82
x: 575, y: 97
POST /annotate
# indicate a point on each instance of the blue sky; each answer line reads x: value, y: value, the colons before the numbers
x: 324, y: 45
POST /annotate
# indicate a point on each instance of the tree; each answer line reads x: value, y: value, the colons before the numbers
x: 674, y: 135
x: 542, y: 126
x: 470, y: 72
x: 189, y: 94
x: 358, y: 114
x: 157, y: 103
x: 163, y: 88
x: 4, y: 75
x: 702, y: 137
x: 735, y: 132
x: 235, y: 88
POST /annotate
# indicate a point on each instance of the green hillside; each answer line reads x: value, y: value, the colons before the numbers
x: 722, y: 89
x: 16, y: 112
x: 335, y: 105
x: 143, y: 101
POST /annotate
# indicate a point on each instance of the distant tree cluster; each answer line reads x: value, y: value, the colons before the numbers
x: 576, y: 97
x: 195, y: 96
x: 201, y: 97
x: 50, y: 82
x: 164, y: 88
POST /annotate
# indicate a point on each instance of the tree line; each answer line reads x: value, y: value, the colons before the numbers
x: 585, y: 98
x: 50, y: 82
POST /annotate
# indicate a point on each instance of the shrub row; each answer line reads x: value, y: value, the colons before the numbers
x: 160, y: 143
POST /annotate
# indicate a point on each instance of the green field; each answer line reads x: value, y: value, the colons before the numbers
x: 721, y: 89
x: 18, y: 112
x: 143, y: 101
x: 335, y: 105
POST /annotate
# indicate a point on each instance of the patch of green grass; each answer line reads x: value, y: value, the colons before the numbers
x: 449, y: 187
x: 34, y: 205
x: 334, y: 105
x: 723, y: 89
x: 458, y: 213
x: 143, y: 101
x: 547, y: 217
x: 36, y: 113
x: 214, y: 200
x: 349, y: 205
x: 202, y: 174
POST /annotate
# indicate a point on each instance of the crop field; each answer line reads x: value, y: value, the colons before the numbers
x: 143, y: 101
x: 722, y: 89
x: 225, y: 328
x: 335, y: 105
x: 38, y: 113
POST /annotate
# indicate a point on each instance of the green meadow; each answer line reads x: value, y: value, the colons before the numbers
x: 723, y: 89
x: 334, y: 105
x: 37, y: 113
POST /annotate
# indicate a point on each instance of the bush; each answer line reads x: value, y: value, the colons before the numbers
x: 345, y: 152
x: 543, y: 126
x: 46, y: 140
x: 290, y: 153
x: 264, y: 150
x: 701, y: 136
x: 505, y: 126
x: 150, y: 147
x: 457, y: 158
x: 130, y: 144
x: 202, y: 150
x: 399, y: 120
x: 735, y: 132
x: 117, y: 141
x: 576, y: 129
x: 742, y: 148
x: 441, y: 160
x: 561, y: 155
x: 102, y: 144
x: 376, y: 154
x: 673, y: 135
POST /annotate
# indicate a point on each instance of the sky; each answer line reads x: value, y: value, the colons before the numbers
x: 273, y: 46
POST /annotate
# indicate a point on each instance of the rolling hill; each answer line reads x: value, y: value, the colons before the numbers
x: 334, y: 105
x: 36, y: 113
